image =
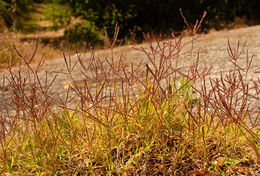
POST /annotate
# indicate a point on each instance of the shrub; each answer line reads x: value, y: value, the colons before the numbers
x: 60, y: 16
x: 85, y: 31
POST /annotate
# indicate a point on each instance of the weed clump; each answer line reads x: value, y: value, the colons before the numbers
x: 140, y: 119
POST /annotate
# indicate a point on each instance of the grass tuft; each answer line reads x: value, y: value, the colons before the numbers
x: 138, y: 119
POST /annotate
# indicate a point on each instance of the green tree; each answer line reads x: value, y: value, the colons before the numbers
x: 154, y: 16
x: 100, y: 15
x: 5, y: 13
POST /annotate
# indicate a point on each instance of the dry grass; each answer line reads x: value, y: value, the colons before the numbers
x: 135, y: 119
x: 7, y: 50
x: 52, y: 43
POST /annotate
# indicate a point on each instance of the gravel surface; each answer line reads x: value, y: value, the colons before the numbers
x: 212, y: 48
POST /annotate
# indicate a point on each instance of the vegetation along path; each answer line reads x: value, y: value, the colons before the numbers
x: 212, y: 49
x: 183, y: 106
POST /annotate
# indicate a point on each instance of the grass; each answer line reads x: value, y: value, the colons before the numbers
x: 35, y: 27
x: 7, y: 50
x: 136, y: 119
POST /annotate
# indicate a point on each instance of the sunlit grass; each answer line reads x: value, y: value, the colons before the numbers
x: 142, y: 119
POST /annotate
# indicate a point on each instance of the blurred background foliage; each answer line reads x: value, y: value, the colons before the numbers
x: 89, y: 20
x: 15, y: 14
